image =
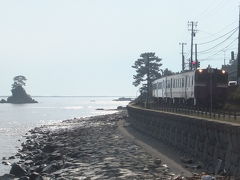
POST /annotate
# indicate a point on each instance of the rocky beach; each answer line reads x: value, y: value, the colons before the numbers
x: 85, y: 148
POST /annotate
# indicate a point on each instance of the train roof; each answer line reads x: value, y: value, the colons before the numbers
x: 189, y: 72
x: 181, y: 73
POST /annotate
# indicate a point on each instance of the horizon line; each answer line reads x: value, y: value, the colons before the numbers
x: 72, y: 96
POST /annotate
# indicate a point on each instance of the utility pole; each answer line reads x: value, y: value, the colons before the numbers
x: 183, y: 57
x: 196, y: 60
x: 192, y: 27
x: 148, y: 82
x: 238, y: 55
x: 224, y: 57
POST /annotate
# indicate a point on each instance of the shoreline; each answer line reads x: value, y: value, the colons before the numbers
x: 88, y: 148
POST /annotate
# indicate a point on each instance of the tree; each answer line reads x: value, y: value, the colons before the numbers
x: 18, y: 81
x: 147, y: 70
x: 167, y: 72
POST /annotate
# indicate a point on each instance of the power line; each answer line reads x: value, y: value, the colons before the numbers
x: 224, y: 49
x: 218, y: 43
x: 214, y: 34
x: 209, y: 9
x: 217, y: 38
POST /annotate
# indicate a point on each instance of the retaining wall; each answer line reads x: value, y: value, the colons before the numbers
x: 202, y: 139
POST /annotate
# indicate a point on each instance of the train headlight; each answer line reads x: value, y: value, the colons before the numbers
x: 200, y: 70
x: 223, y: 71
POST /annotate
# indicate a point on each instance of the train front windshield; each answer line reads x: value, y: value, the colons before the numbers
x: 214, y: 75
x: 221, y: 77
x: 201, y: 76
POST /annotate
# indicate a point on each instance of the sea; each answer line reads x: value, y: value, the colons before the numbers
x: 17, y: 119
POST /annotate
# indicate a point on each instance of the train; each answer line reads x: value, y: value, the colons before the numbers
x: 200, y: 87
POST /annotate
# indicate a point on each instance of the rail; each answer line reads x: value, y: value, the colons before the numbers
x: 228, y: 116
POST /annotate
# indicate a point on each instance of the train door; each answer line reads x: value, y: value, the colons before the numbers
x: 185, y: 87
x: 163, y: 89
x: 171, y: 85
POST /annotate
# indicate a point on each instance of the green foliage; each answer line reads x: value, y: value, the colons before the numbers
x: 147, y: 68
x: 234, y: 96
x: 167, y: 72
x: 18, y: 81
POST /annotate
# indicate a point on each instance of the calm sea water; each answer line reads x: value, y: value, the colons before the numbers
x: 16, y: 120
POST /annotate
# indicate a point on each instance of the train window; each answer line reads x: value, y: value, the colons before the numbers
x: 221, y: 78
x: 182, y: 82
x: 160, y: 85
x: 202, y: 77
x: 154, y: 86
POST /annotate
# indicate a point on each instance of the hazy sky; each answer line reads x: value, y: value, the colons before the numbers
x: 87, y: 47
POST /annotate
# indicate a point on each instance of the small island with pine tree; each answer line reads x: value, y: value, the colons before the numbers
x: 19, y: 95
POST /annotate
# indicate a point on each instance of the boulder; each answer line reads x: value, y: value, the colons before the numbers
x: 24, y: 178
x: 17, y: 170
x: 49, y: 148
x: 50, y: 168
x: 35, y: 176
x: 7, y: 177
x: 3, y: 101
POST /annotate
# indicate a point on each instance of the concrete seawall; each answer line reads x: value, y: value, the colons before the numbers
x: 210, y: 142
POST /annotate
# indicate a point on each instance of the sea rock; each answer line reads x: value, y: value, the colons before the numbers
x: 7, y: 177
x: 50, y: 168
x: 19, y: 96
x: 157, y: 161
x: 49, y: 148
x: 36, y: 176
x: 6, y: 163
x: 17, y: 170
x: 11, y: 157
x: 24, y: 178
x: 3, y: 101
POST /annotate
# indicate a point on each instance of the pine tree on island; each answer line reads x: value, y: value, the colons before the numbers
x: 19, y: 95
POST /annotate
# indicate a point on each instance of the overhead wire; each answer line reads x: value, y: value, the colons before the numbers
x: 209, y: 9
x: 214, y: 34
x: 222, y: 50
x: 207, y: 50
x: 217, y: 37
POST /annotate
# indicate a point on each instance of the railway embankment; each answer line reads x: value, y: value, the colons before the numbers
x: 215, y: 144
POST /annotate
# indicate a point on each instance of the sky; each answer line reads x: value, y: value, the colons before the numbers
x: 87, y: 47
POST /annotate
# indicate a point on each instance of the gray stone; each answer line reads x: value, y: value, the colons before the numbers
x: 7, y: 177
x: 17, y: 170
x: 50, y: 168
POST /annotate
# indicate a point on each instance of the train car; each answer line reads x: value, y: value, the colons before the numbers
x: 200, y: 87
